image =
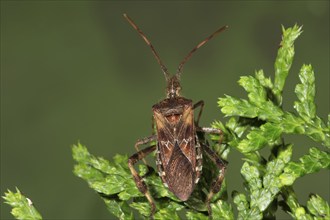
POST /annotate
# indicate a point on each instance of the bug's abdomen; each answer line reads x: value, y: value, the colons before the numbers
x: 179, y: 174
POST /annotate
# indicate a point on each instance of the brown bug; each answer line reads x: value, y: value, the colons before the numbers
x: 178, y: 149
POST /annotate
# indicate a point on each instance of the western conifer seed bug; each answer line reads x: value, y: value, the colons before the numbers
x: 178, y: 149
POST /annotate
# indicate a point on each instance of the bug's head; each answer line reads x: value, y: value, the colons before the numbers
x: 173, y: 87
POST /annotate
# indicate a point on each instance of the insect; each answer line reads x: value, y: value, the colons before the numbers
x: 178, y: 149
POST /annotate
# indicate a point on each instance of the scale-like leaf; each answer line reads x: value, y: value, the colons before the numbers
x: 306, y: 93
x: 143, y: 207
x: 168, y: 211
x: 318, y: 207
x: 231, y: 106
x: 22, y: 207
x: 310, y: 163
x: 256, y: 92
x: 268, y: 133
x: 196, y: 216
x: 222, y: 210
x: 120, y: 209
x: 284, y: 58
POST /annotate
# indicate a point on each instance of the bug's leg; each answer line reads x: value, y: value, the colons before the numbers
x: 216, y: 185
x: 196, y: 105
x: 211, y: 131
x: 138, y: 179
x: 206, y: 130
x: 153, y: 125
x: 144, y: 141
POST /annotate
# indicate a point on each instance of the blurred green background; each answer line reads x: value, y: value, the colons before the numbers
x: 77, y: 71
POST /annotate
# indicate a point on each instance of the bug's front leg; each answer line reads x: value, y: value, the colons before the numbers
x: 196, y: 105
x: 145, y: 141
x: 216, y: 185
x: 137, y: 178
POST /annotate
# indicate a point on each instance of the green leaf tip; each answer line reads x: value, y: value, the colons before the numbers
x: 256, y: 92
x: 306, y: 93
x: 104, y: 177
x: 318, y: 207
x: 22, y: 207
x: 284, y: 58
x: 309, y: 163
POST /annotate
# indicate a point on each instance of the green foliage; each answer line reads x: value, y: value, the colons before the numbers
x: 284, y: 59
x: 265, y: 98
x: 22, y: 207
x: 114, y: 183
x: 318, y: 207
x: 260, y: 122
x: 253, y: 124
x: 309, y: 163
x: 263, y: 187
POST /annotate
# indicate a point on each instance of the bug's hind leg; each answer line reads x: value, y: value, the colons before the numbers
x: 138, y: 179
x: 216, y: 185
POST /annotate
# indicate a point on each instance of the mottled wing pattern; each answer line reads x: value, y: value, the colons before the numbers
x: 165, y: 137
x: 179, y: 174
x: 177, y: 151
x: 186, y: 136
x: 173, y: 130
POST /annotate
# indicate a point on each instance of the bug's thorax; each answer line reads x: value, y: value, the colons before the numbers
x: 173, y: 107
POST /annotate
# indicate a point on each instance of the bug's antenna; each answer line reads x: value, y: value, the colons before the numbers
x: 162, y: 66
x: 179, y: 71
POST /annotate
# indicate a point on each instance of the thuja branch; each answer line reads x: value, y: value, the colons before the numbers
x: 260, y: 121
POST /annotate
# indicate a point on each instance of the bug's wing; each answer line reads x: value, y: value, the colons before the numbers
x: 165, y: 138
x: 186, y: 134
x: 179, y: 174
x: 177, y: 152
x: 180, y: 131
